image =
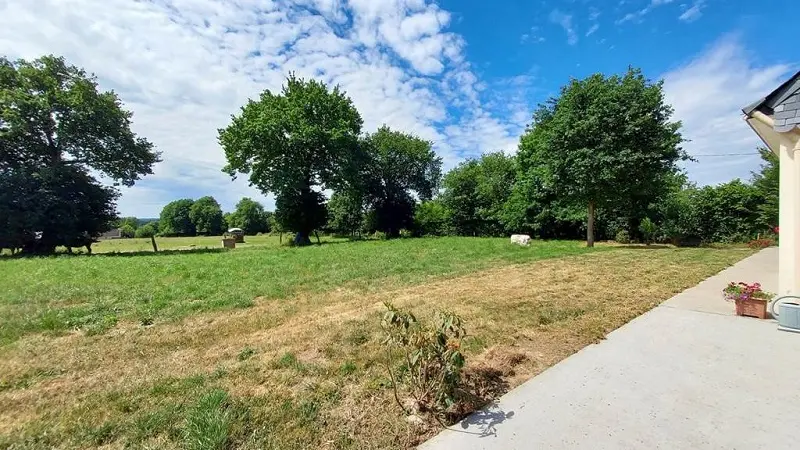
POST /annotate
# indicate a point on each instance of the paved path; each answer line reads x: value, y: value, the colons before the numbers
x: 686, y: 375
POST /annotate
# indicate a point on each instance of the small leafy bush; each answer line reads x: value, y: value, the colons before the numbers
x: 622, y: 237
x: 648, y: 229
x: 761, y: 243
x: 406, y: 233
x: 430, y: 358
x: 379, y: 235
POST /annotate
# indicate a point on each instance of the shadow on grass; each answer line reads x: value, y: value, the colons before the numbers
x: 646, y: 247
x: 188, y: 251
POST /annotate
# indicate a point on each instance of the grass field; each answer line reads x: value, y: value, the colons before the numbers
x: 277, y: 347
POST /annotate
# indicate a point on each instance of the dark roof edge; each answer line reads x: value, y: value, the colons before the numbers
x: 777, y: 96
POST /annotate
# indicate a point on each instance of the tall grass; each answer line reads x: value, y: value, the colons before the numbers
x: 208, y: 423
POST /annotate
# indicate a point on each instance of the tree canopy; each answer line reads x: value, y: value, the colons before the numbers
x: 476, y: 192
x: 56, y: 128
x: 295, y: 144
x: 397, y: 167
x: 176, y: 219
x: 206, y: 216
x: 346, y: 212
x: 250, y: 216
x: 602, y: 143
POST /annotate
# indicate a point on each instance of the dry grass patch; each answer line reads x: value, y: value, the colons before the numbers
x: 308, y: 371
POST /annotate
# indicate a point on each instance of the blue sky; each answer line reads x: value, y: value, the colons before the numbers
x: 465, y: 74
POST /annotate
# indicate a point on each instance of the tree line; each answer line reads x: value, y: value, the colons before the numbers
x: 599, y: 160
x: 204, y: 216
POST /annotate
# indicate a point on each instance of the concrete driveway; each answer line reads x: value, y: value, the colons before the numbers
x: 686, y: 375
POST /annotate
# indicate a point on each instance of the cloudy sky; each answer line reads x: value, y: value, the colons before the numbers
x: 465, y: 74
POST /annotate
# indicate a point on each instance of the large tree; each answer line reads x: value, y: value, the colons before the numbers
x: 398, y: 166
x: 206, y: 216
x: 250, y: 216
x: 295, y: 144
x: 602, y: 143
x: 176, y: 219
x: 56, y: 128
x: 476, y: 191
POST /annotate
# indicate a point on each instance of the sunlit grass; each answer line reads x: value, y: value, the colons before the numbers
x: 303, y: 366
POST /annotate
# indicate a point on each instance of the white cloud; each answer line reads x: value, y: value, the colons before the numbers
x: 694, y: 12
x: 708, y: 94
x: 184, y: 66
x: 637, y: 16
x: 592, y: 30
x: 565, y: 22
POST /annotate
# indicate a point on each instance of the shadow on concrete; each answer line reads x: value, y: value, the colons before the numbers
x: 484, y: 422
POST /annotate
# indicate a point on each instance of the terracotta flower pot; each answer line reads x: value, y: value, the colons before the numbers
x: 751, y: 308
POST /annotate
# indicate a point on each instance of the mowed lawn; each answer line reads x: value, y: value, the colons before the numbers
x: 276, y: 347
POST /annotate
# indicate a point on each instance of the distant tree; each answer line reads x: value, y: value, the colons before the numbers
x: 602, y: 142
x: 147, y: 230
x: 176, y: 220
x: 476, y: 191
x: 295, y: 144
x: 206, y: 216
x: 274, y: 225
x: 249, y: 216
x: 345, y: 212
x: 431, y: 218
x: 398, y: 167
x: 767, y: 181
x: 127, y: 231
x: 55, y: 129
x: 132, y: 222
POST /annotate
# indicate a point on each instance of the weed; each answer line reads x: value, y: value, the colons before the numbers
x: 246, y: 353
x: 309, y: 410
x: 106, y: 323
x: 207, y: 424
x: 287, y: 361
x: 347, y: 368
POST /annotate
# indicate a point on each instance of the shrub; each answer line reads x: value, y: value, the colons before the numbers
x: 146, y: 231
x: 431, y: 357
x: 127, y: 231
x: 431, y: 218
x: 761, y: 243
x: 623, y: 237
x: 648, y: 229
x: 379, y: 235
x: 405, y: 233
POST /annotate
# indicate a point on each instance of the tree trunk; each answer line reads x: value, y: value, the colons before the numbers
x: 301, y: 238
x: 590, y: 226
